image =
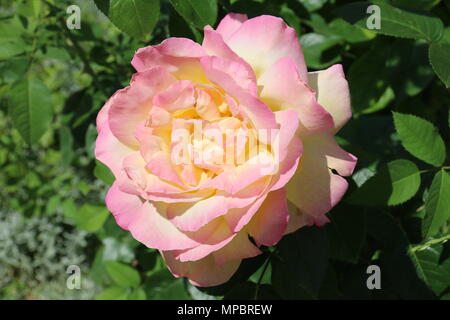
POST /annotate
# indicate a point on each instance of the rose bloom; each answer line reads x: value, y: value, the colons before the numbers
x: 175, y: 192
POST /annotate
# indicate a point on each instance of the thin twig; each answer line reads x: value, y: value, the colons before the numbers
x: 430, y: 243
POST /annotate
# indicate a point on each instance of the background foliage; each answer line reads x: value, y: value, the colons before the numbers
x: 396, y: 213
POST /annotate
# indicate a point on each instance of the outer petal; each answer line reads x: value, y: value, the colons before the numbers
x: 333, y: 93
x: 230, y: 24
x: 270, y: 222
x: 215, y: 46
x: 203, y: 273
x: 130, y: 106
x: 145, y: 221
x: 314, y: 189
x: 179, y: 56
x: 282, y: 89
x: 263, y: 40
x: 108, y: 149
x: 298, y: 219
x: 337, y: 158
x: 239, y: 248
x: 238, y: 218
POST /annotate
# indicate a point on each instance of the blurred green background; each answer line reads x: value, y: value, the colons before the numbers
x: 53, y: 81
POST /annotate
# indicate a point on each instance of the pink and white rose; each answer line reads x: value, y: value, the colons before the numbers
x: 209, y: 142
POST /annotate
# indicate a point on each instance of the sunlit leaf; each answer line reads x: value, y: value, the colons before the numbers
x: 198, y: 13
x: 396, y: 22
x: 394, y: 184
x: 30, y: 108
x: 112, y: 293
x: 135, y: 17
x: 123, y: 275
x: 91, y: 217
x: 437, y: 205
x: 420, y: 138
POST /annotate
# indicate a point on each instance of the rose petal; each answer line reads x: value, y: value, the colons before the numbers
x: 179, y: 56
x: 221, y: 236
x: 314, y: 189
x: 239, y: 248
x: 146, y: 221
x: 230, y: 24
x: 215, y: 46
x: 263, y: 40
x: 108, y: 149
x: 131, y: 105
x: 281, y: 88
x: 233, y: 78
x: 192, y: 216
x: 270, y: 221
x: 203, y: 273
x: 333, y: 93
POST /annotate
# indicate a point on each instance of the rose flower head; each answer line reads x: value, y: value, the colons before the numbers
x: 209, y: 142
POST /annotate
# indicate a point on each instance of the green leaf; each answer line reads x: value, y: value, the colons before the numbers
x: 89, y: 144
x: 394, y: 21
x: 11, y: 29
x: 263, y: 275
x: 420, y: 138
x: 138, y: 294
x: 52, y: 205
x: 431, y: 269
x: 394, y: 184
x: 371, y: 93
x: 66, y: 145
x: 409, y: 68
x: 346, y: 232
x: 123, y: 275
x: 103, y: 6
x: 70, y: 209
x: 91, y: 217
x: 313, y: 5
x: 13, y: 69
x: 246, y: 269
x: 417, y: 4
x: 197, y: 13
x: 349, y: 32
x: 162, y: 285
x: 437, y: 205
x: 137, y: 18
x: 446, y: 297
x: 247, y: 291
x: 439, y: 59
x: 199, y: 295
x: 317, y: 50
x: 399, y: 276
x: 301, y: 267
x: 178, y: 27
x: 57, y: 53
x: 10, y: 49
x: 30, y: 108
x: 103, y: 173
x: 113, y: 293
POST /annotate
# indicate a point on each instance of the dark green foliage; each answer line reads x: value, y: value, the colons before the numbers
x: 395, y: 214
